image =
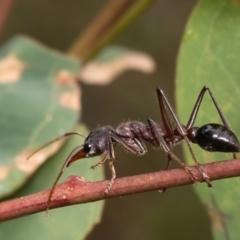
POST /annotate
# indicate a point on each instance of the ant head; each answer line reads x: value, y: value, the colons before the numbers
x: 97, y: 142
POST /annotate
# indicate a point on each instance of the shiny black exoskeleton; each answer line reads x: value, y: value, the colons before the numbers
x: 102, y: 141
x: 214, y: 137
x: 210, y: 137
x: 98, y: 141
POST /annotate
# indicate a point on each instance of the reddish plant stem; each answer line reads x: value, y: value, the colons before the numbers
x: 75, y: 190
x: 5, y: 9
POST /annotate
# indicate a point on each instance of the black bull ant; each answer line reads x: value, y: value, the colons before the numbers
x: 210, y: 137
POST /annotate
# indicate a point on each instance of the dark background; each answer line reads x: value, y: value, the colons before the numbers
x: 177, y: 214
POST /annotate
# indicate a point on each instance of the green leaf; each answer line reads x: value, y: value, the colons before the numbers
x: 73, y: 222
x: 39, y: 101
x: 209, y: 55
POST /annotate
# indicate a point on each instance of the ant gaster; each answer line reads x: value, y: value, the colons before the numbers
x: 210, y: 137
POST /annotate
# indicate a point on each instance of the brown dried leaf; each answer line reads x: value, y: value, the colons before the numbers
x: 105, y: 73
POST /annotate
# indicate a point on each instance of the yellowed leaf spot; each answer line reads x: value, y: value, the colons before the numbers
x: 11, y: 69
x: 69, y: 99
x: 104, y: 73
x: 29, y: 166
x: 4, y: 170
x: 48, y: 117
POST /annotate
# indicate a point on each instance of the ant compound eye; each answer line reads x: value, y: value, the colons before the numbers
x: 87, y: 148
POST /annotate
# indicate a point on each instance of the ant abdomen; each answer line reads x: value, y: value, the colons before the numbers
x: 214, y: 137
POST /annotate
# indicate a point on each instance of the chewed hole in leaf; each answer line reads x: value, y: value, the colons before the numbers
x: 11, y: 69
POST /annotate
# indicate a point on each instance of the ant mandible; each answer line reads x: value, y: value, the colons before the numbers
x: 211, y: 137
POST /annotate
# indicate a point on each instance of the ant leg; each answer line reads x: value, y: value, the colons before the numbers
x: 199, y: 167
x: 111, y: 158
x: 162, y: 143
x: 182, y: 132
x: 169, y: 159
x: 103, y: 160
x: 196, y: 107
x: 222, y: 116
x: 66, y: 164
x: 132, y: 144
x: 184, y: 166
x: 110, y: 183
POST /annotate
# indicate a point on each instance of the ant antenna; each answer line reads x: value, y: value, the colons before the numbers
x: 66, y: 164
x: 55, y: 140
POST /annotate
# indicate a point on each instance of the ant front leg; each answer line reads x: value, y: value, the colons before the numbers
x: 103, y: 160
x: 111, y: 168
x: 111, y: 157
x: 110, y: 183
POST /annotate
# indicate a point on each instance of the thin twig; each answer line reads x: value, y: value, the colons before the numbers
x: 5, y: 9
x: 102, y: 22
x: 76, y: 190
x: 111, y: 21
